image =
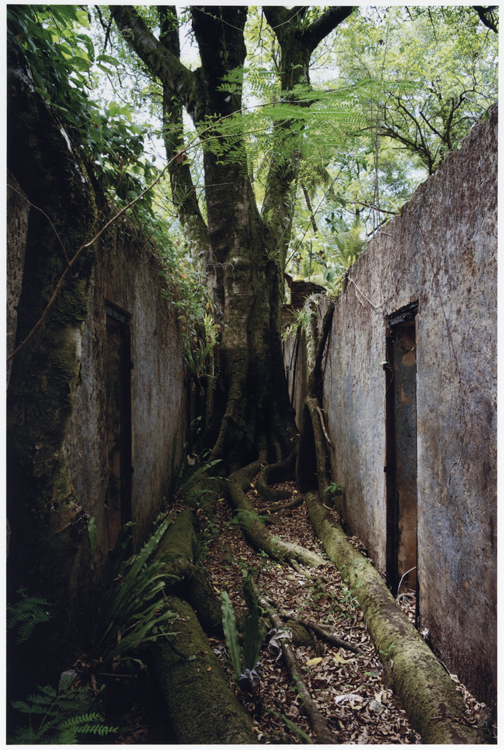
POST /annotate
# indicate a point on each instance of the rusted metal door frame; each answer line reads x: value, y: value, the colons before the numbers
x: 394, y: 322
x: 122, y: 320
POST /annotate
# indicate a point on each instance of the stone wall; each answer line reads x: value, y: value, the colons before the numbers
x: 96, y: 401
x: 125, y: 280
x: 17, y: 229
x: 437, y: 262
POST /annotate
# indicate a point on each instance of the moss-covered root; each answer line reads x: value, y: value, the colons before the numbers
x: 256, y: 533
x: 194, y: 689
x: 427, y: 693
x: 176, y: 548
x: 275, y: 473
x: 312, y: 467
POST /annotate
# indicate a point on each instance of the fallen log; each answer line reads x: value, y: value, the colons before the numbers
x: 428, y: 695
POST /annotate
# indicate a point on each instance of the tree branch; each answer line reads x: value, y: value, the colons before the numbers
x: 486, y: 16
x: 184, y: 194
x: 324, y: 24
x: 160, y: 61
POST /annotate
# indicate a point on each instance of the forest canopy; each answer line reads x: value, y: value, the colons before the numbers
x: 401, y: 87
x: 281, y: 139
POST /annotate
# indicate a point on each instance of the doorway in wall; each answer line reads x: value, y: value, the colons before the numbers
x: 401, y: 449
x: 118, y: 420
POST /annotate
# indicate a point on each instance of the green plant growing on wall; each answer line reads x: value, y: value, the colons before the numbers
x: 335, y: 490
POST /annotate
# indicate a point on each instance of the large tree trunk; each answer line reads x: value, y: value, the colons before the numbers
x: 247, y: 250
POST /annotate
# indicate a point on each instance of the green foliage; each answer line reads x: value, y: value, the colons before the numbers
x: 231, y: 632
x: 58, y: 718
x: 254, y: 633
x: 60, y: 53
x: 133, y: 611
x: 448, y: 60
x: 334, y: 489
x: 186, y: 288
x: 26, y: 614
x: 293, y: 727
x: 187, y: 479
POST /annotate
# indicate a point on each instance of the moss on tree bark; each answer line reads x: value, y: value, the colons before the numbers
x: 254, y: 530
x: 195, y: 690
x: 434, y: 707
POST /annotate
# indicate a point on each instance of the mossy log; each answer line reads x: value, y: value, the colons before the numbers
x: 195, y: 689
x: 177, y: 548
x: 434, y: 707
x: 254, y: 530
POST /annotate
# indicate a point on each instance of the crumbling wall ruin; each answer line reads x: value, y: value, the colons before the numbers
x: 95, y: 412
x: 429, y: 278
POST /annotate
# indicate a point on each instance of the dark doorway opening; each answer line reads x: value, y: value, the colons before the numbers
x: 401, y: 450
x: 118, y: 420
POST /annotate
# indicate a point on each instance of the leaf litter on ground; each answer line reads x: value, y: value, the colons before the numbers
x: 350, y: 689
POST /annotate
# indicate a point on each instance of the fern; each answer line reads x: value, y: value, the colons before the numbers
x: 29, y: 612
x: 134, y: 609
x: 57, y: 718
x: 254, y: 632
x: 253, y: 637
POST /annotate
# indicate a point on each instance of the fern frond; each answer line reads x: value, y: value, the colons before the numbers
x: 27, y: 613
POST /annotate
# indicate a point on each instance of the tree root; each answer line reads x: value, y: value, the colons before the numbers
x: 192, y: 685
x: 319, y: 724
x: 256, y: 533
x: 275, y: 473
x: 427, y: 693
x: 295, y: 503
x: 176, y: 549
x: 328, y: 637
x: 312, y: 442
x: 194, y: 688
x: 308, y: 626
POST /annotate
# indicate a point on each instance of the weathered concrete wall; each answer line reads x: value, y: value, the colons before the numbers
x: 64, y: 461
x: 126, y: 274
x: 17, y: 230
x: 440, y: 253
